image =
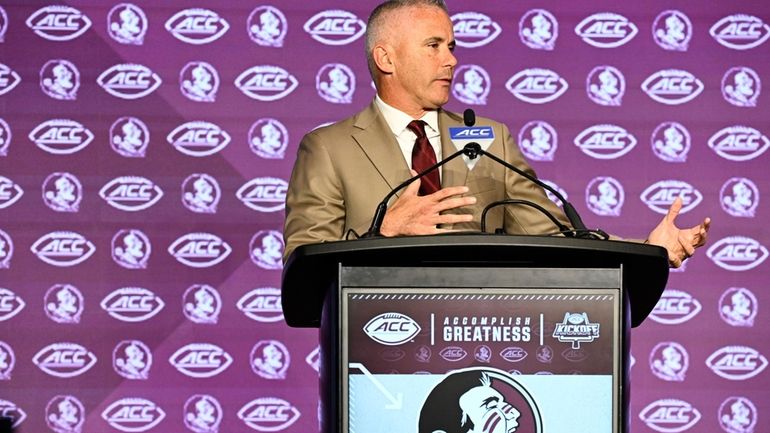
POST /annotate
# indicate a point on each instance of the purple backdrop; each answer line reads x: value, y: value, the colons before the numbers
x: 144, y: 154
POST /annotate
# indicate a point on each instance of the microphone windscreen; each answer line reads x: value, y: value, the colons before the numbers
x: 469, y: 117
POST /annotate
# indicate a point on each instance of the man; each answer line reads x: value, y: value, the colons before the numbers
x: 343, y: 170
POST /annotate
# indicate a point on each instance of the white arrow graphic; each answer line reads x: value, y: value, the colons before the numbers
x: 395, y: 402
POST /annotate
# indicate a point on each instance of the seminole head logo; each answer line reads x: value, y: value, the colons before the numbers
x: 479, y: 400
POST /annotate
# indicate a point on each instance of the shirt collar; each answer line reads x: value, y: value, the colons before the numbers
x: 397, y: 120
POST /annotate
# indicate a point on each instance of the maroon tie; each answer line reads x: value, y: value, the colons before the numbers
x: 423, y: 157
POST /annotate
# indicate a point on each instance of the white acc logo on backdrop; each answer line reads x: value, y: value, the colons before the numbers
x: 60, y: 79
x: 671, y: 142
x: 660, y: 195
x: 474, y: 29
x: 266, y: 249
x: 202, y: 304
x: 15, y: 413
x: 538, y: 140
x: 64, y: 359
x: 472, y: 85
x: 739, y: 143
x: 675, y: 307
x: 198, y: 138
x: 7, y: 361
x: 131, y: 249
x: 11, y: 303
x: 5, y: 136
x: 62, y: 192
x: 63, y: 303
x: 741, y: 86
x: 669, y: 361
x: 738, y: 307
x: 3, y: 24
x: 672, y: 30
x: 264, y: 194
x: 132, y: 359
x: 268, y: 138
x: 127, y: 24
x: 197, y: 26
x: 738, y: 415
x: 132, y: 414
x: 201, y: 360
x: 201, y: 193
x: 10, y: 192
x: 606, y: 30
x: 605, y: 141
x: 269, y: 414
x: 58, y: 23
x: 8, y: 79
x: 538, y: 29
x: 270, y: 359
x: 335, y: 27
x: 267, y: 26
x: 670, y: 415
x: 199, y: 250
x: 740, y: 31
x: 736, y: 362
x: 132, y: 304
x: 606, y: 85
x: 739, y: 197
x: 737, y: 253
x: 63, y: 248
x: 65, y: 414
x: 537, y: 85
x: 129, y: 81
x: 336, y: 83
x: 199, y: 81
x: 605, y: 196
x: 129, y: 137
x: 672, y: 86
x: 266, y: 83
x: 131, y: 193
x: 6, y: 250
x: 262, y: 304
x: 202, y: 414
x: 61, y: 136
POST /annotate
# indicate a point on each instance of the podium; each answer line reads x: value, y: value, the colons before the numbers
x: 473, y: 332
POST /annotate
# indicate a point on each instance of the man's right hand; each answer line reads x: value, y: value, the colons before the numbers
x: 412, y: 214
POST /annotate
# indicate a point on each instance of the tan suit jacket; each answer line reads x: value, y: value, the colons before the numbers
x: 344, y: 170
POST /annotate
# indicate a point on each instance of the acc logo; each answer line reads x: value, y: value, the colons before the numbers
x: 392, y: 354
x: 127, y: 24
x: 392, y: 329
x: 10, y: 410
x: 270, y: 359
x: 669, y: 361
x: 313, y: 359
x: 6, y: 250
x: 131, y: 193
x: 605, y: 141
x: 671, y: 142
x: 264, y: 194
x: 538, y: 29
x: 3, y: 24
x: 266, y: 83
x: 739, y: 143
x: 473, y: 29
x: 538, y: 140
x: 736, y: 362
x: 269, y: 414
x: 10, y: 192
x: 262, y: 304
x: 737, y: 415
x: 472, y: 85
x: 670, y: 415
x: 197, y: 26
x: 62, y: 192
x: 660, y: 195
x: 738, y: 307
x: 606, y: 86
x: 453, y: 353
x: 576, y: 329
x: 129, y: 137
x: 672, y: 86
x: 133, y: 414
x: 266, y: 249
x: 62, y: 248
x: 336, y: 83
x: 58, y: 23
x: 201, y: 193
x: 513, y: 354
x: 8, y: 79
x: 675, y: 307
x: 5, y: 134
x: 132, y: 304
x: 198, y: 138
x: 201, y: 360
x: 65, y: 414
x: 64, y: 359
x: 129, y: 81
x: 131, y: 249
x: 202, y: 304
x: 574, y: 355
x: 132, y: 359
x: 267, y: 26
x: 741, y: 86
x: 537, y: 85
x: 10, y: 304
x: 335, y: 27
x: 63, y: 303
x: 606, y: 30
x: 199, y: 250
x: 202, y: 414
x: 7, y: 361
x: 60, y: 79
x: 605, y: 196
x: 199, y: 81
x: 739, y: 197
x: 268, y: 138
x: 737, y: 253
x: 61, y: 136
x: 740, y: 32
x: 672, y: 30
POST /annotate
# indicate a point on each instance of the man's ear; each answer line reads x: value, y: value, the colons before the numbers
x: 383, y: 58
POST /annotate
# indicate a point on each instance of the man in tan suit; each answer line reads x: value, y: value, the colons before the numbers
x: 344, y: 170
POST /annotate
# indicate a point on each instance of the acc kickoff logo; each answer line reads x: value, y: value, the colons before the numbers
x: 199, y: 250
x: 741, y: 86
x: 576, y: 329
x: 129, y: 81
x: 132, y: 359
x: 200, y: 360
x: 202, y: 304
x: 197, y: 26
x: 131, y: 193
x: 133, y: 414
x: 739, y: 197
x: 737, y: 253
x: 739, y: 143
x: 129, y: 137
x: 670, y: 415
x: 201, y: 193
x: 63, y: 248
x: 740, y: 31
x: 672, y: 30
x: 65, y: 414
x: 10, y: 192
x: 262, y: 304
x: 606, y: 30
x: 63, y: 303
x: 736, y: 362
x: 392, y: 329
x: 268, y: 138
x: 266, y: 83
x: 537, y: 85
x: 269, y: 414
x: 605, y: 141
x: 671, y: 142
x: 675, y: 307
x: 127, y: 24
x: 202, y: 414
x: 335, y: 27
x: 61, y: 136
x: 8, y: 79
x: 606, y: 86
x: 266, y: 249
x: 474, y: 29
x: 132, y: 304
x: 199, y: 81
x: 264, y: 194
x: 267, y: 26
x: 660, y: 195
x: 669, y: 361
x: 198, y: 138
x: 64, y: 359
x: 472, y: 85
x: 131, y: 249
x: 60, y: 79
x: 10, y: 304
x: 58, y: 23
x: 672, y: 86
x: 62, y: 192
x: 538, y: 140
x: 738, y: 415
x: 6, y: 250
x: 538, y: 29
x: 738, y: 307
x: 7, y: 360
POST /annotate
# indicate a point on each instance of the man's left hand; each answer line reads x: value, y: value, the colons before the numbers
x: 680, y: 243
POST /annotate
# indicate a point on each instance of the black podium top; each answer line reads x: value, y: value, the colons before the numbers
x: 312, y: 269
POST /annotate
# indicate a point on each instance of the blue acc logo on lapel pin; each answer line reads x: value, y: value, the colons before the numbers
x: 462, y: 135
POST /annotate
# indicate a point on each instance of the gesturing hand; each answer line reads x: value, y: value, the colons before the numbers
x: 680, y: 243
